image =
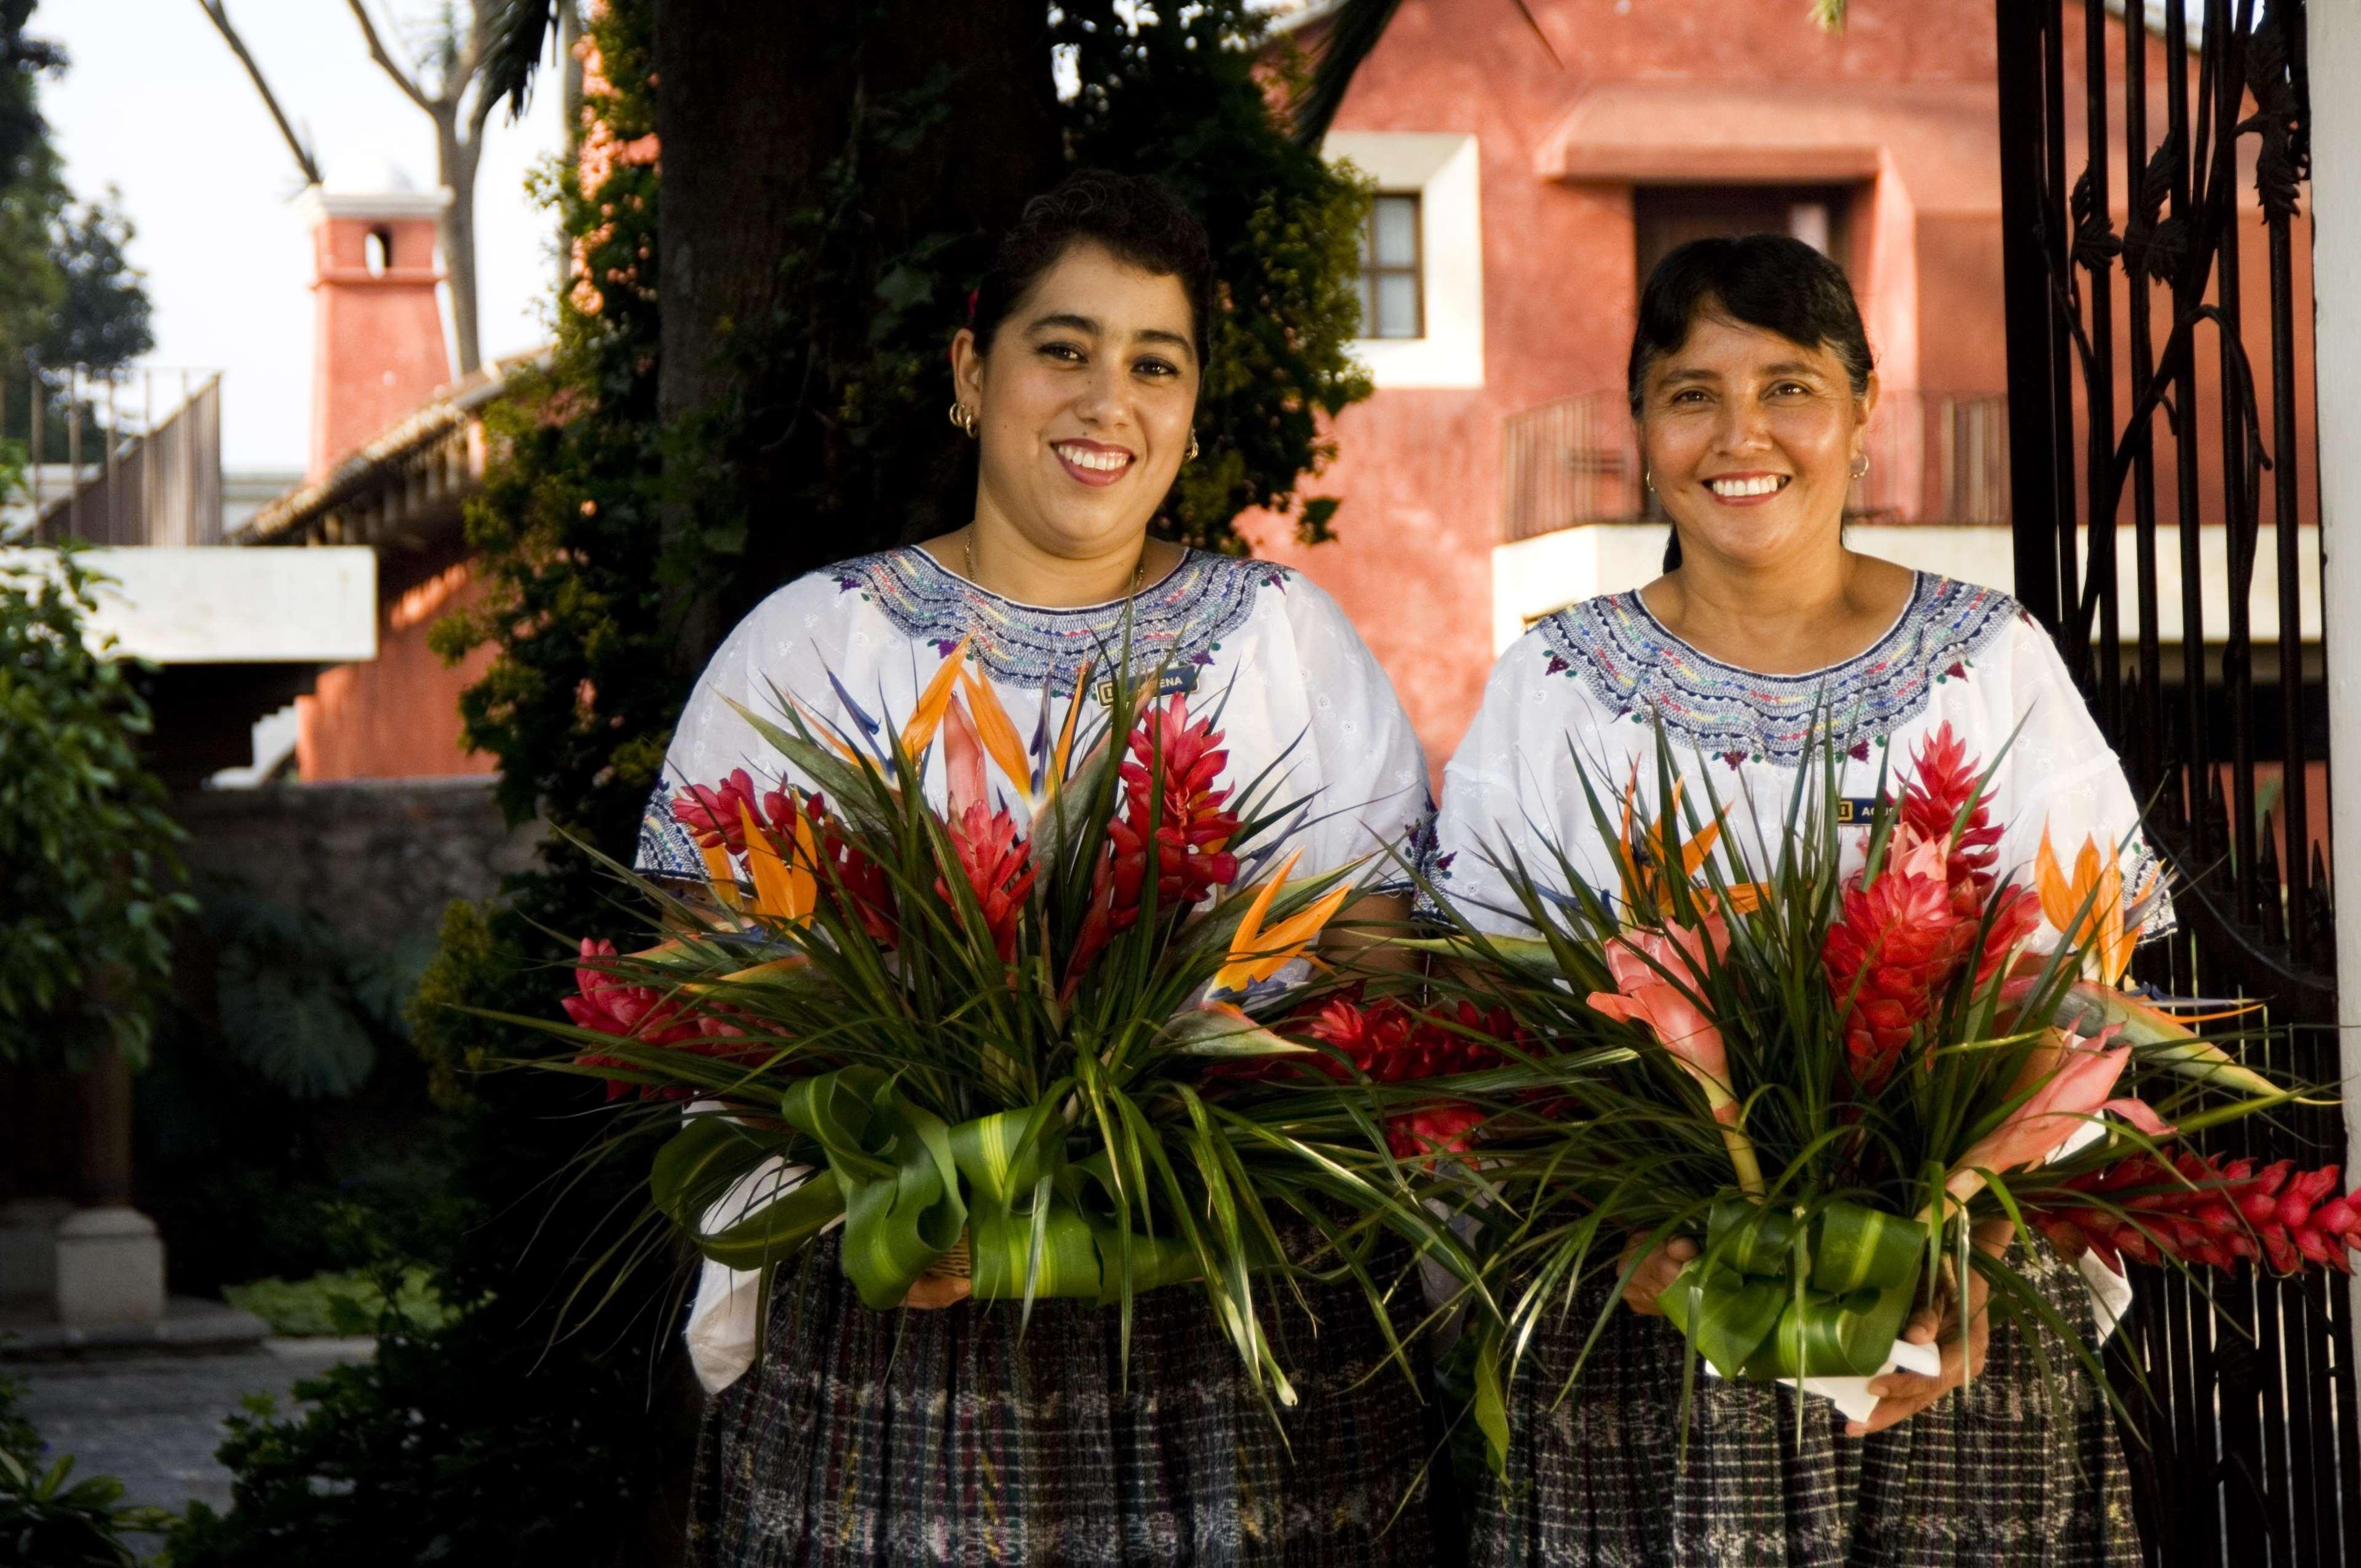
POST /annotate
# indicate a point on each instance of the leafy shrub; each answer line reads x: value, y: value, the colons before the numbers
x: 89, y: 879
x: 49, y: 1519
x: 17, y: 1434
x: 446, y: 1447
x: 352, y: 1302
x: 284, y: 1125
x: 302, y: 1004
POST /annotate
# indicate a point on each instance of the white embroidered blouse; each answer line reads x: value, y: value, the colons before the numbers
x: 1596, y: 680
x: 1294, y: 687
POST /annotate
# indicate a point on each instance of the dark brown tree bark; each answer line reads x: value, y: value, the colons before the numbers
x: 755, y: 102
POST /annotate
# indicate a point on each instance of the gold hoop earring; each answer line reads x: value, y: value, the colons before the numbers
x: 1191, y: 456
x: 963, y: 418
x: 1647, y: 482
x: 1862, y: 472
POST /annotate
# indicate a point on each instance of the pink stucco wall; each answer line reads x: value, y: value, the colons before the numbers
x: 398, y: 715
x: 1900, y: 107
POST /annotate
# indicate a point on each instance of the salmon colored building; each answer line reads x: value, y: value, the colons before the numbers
x: 1525, y: 185
x: 396, y: 450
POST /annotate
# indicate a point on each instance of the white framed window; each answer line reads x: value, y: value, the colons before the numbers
x: 1393, y: 284
x: 1422, y: 257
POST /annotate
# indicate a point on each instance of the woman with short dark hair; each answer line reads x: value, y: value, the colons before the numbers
x: 1751, y: 381
x: 945, y: 1435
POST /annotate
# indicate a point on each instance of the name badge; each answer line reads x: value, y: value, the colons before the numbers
x: 1854, y: 811
x: 1177, y: 681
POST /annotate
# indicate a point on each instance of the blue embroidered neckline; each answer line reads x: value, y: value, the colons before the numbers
x: 1624, y: 656
x: 1181, y: 619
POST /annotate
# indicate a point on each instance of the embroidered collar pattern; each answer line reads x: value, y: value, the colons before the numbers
x: 1181, y: 618
x: 1635, y: 669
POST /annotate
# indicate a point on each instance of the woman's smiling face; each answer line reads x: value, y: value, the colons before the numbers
x: 1085, y: 402
x: 1751, y: 439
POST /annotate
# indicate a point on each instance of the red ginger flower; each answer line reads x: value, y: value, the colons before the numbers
x: 1174, y: 767
x: 999, y: 868
x: 845, y: 872
x: 1897, y: 946
x: 1448, y: 1128
x: 1170, y: 775
x: 605, y: 1002
x: 2210, y: 1213
x: 710, y: 811
x: 1944, y: 779
x: 1902, y: 938
x: 1391, y: 1043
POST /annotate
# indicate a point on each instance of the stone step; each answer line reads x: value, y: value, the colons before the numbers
x: 29, y: 1329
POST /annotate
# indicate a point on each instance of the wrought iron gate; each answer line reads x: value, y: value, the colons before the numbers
x: 2140, y: 414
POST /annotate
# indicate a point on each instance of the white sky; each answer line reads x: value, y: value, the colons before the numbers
x: 154, y: 101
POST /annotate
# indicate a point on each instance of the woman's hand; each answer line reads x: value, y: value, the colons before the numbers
x: 934, y: 1291
x: 1656, y: 1272
x: 1362, y: 933
x: 1902, y: 1395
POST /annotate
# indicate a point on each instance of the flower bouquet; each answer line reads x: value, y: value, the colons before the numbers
x: 1829, y: 1075
x: 986, y: 1039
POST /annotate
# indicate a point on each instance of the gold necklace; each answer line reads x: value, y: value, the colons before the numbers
x: 1138, y: 573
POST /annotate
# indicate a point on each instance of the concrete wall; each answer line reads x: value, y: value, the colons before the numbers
x: 378, y: 861
x: 377, y: 858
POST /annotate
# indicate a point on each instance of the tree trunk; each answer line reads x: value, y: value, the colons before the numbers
x: 569, y: 68
x: 456, y: 232
x: 569, y: 73
x: 106, y: 1132
x: 754, y: 102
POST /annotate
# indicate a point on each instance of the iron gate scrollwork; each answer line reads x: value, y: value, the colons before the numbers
x: 2120, y: 333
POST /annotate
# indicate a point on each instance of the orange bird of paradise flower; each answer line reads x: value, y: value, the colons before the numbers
x: 783, y: 890
x: 1259, y: 954
x: 1645, y: 887
x: 2088, y: 906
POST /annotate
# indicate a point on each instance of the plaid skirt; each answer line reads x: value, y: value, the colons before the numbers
x: 945, y: 1438
x: 2021, y: 1470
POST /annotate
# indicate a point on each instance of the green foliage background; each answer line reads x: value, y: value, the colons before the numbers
x: 89, y: 883
x: 68, y: 294
x: 1180, y: 99
x: 90, y: 878
x: 500, y: 1437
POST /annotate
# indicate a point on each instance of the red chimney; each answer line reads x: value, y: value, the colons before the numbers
x: 377, y: 348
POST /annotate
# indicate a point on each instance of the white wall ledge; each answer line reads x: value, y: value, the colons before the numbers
x: 222, y: 605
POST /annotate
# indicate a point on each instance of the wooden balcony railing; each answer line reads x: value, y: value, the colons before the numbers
x: 1934, y: 457
x: 122, y: 457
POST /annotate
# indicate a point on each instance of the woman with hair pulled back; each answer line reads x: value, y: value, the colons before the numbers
x: 937, y: 1433
x: 1753, y: 387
